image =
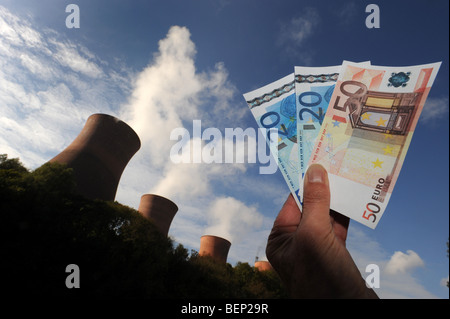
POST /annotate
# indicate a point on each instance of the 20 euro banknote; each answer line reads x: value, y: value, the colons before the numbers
x: 366, y: 133
x: 273, y: 107
x: 314, y: 87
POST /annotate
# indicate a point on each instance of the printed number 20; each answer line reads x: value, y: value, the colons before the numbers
x: 319, y: 116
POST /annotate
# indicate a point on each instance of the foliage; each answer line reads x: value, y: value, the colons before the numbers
x: 47, y: 226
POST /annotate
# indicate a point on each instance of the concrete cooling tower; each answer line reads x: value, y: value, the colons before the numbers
x: 99, y: 154
x: 216, y: 247
x: 263, y: 265
x: 159, y: 210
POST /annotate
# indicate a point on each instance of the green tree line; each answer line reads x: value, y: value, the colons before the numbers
x: 47, y: 226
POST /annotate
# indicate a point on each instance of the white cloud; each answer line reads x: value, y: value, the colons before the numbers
x: 9, y: 27
x: 48, y: 87
x: 444, y: 281
x: 168, y: 93
x: 231, y: 219
x: 294, y: 33
x: 402, y: 286
x: 434, y: 109
x: 70, y: 55
x: 402, y: 263
x: 397, y: 280
x: 346, y: 12
x: 35, y: 66
x: 165, y: 92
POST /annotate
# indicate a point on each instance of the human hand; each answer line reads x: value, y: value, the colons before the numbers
x: 307, y: 249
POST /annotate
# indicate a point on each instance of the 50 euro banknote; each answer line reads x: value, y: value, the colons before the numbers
x: 366, y: 132
x: 273, y: 107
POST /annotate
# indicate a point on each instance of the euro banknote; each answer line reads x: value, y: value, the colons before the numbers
x: 366, y: 132
x: 273, y: 107
x: 314, y: 87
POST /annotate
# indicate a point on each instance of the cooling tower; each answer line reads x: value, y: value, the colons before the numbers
x: 99, y: 154
x: 159, y: 210
x: 214, y: 246
x: 263, y: 265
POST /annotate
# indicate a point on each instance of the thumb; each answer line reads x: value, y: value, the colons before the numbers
x: 316, y: 195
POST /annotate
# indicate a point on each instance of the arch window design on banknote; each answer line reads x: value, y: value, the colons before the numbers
x: 382, y: 112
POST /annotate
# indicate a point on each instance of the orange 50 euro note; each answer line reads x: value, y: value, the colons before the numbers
x: 366, y: 133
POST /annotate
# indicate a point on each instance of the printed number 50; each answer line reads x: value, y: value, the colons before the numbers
x: 373, y: 209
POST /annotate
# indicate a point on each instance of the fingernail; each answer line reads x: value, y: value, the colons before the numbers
x: 316, y: 174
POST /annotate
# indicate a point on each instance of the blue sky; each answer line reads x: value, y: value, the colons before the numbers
x: 159, y: 65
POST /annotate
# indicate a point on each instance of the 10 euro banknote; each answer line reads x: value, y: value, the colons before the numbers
x: 366, y: 132
x: 273, y: 107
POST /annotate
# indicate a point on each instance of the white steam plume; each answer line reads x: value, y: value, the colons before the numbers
x: 168, y: 93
